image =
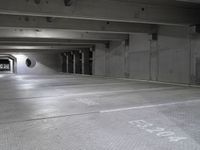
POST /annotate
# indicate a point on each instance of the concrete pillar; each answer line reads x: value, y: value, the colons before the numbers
x: 126, y: 59
x: 107, y: 59
x: 70, y: 62
x: 87, y: 62
x: 197, y: 67
x: 64, y: 62
x: 77, y: 62
x: 154, y: 61
x: 91, y: 61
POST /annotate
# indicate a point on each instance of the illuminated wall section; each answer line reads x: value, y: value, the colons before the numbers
x: 44, y: 63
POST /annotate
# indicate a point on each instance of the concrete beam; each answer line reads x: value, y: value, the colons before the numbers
x: 112, y: 10
x: 44, y: 44
x: 195, y: 29
x: 12, y: 21
x: 68, y: 2
x: 47, y: 41
x: 190, y: 1
x: 29, y: 47
x: 58, y: 34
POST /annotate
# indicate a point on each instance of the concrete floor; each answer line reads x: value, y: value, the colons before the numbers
x: 63, y: 112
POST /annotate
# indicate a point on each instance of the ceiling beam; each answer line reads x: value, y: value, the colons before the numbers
x: 112, y: 10
x: 59, y: 34
x: 49, y: 41
x: 14, y: 21
x: 43, y: 44
x: 190, y: 1
x: 68, y: 2
x: 23, y: 47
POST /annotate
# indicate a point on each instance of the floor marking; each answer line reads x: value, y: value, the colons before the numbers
x: 68, y: 84
x: 89, y: 85
x: 148, y: 106
x: 36, y: 86
x: 119, y: 91
x: 161, y: 82
x: 87, y: 101
x: 157, y: 131
x: 63, y: 94
x: 113, y: 92
x: 48, y: 117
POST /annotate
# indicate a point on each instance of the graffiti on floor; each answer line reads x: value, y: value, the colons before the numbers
x: 157, y: 131
x: 87, y: 101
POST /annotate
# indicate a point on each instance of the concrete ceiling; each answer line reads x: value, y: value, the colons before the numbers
x: 180, y: 3
x: 107, y: 10
x: 92, y: 21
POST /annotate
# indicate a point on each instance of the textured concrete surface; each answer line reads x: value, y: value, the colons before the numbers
x: 46, y: 63
x: 169, y: 59
x: 65, y: 112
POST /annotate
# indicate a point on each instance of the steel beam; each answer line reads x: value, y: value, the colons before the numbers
x: 12, y: 21
x: 112, y: 10
x: 58, y: 34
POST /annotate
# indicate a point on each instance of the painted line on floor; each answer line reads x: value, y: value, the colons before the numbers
x: 143, y: 80
x: 161, y: 82
x: 148, y: 106
x: 36, y: 86
x: 62, y: 94
x: 89, y: 85
x: 49, y: 117
x: 121, y: 91
x: 87, y: 101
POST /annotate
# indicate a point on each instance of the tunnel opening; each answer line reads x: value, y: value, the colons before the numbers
x: 78, y: 62
x: 8, y: 64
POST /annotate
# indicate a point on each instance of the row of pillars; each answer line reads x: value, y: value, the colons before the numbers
x: 78, y: 61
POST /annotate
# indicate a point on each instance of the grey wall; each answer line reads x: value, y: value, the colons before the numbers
x: 116, y: 59
x: 139, y: 56
x: 171, y: 58
x: 46, y: 62
x: 195, y: 53
x: 99, y: 60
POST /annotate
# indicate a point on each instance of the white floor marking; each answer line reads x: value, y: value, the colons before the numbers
x: 160, y: 82
x: 157, y: 131
x: 87, y: 101
x: 148, y: 106
x: 117, y: 91
x: 96, y: 84
x: 64, y: 94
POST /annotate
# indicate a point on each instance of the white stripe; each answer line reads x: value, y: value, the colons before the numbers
x: 148, y: 106
x: 114, y: 92
x: 160, y: 82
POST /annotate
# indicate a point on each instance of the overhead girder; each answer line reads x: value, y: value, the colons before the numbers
x: 43, y: 41
x: 31, y: 47
x: 59, y: 34
x: 14, y: 21
x: 109, y: 10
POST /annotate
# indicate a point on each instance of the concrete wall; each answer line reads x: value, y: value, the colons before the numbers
x: 46, y: 62
x: 195, y: 54
x: 139, y: 56
x: 99, y: 67
x: 116, y: 59
x: 172, y: 58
